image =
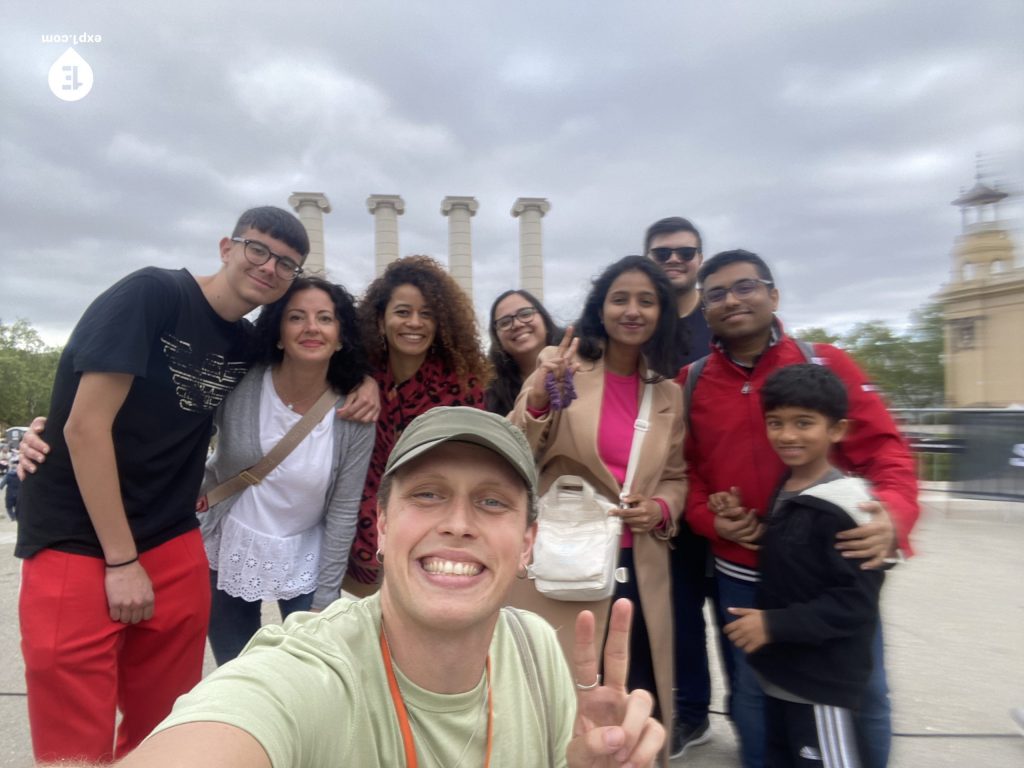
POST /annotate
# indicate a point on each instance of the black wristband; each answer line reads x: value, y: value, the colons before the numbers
x: 122, y: 565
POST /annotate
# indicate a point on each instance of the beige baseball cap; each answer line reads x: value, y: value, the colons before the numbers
x: 465, y: 425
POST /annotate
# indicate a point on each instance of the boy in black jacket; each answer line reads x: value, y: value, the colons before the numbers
x: 809, y: 640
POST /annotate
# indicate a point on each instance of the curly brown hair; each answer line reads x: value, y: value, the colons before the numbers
x: 456, y: 341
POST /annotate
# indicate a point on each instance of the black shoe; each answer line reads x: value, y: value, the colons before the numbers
x: 686, y: 735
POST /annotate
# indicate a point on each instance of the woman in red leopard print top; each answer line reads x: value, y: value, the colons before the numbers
x: 420, y: 331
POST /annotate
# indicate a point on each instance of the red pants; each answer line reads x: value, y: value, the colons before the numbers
x: 81, y: 667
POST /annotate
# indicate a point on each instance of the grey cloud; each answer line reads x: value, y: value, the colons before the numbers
x: 828, y: 137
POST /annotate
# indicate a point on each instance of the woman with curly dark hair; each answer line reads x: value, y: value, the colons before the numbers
x: 579, y: 411
x: 520, y: 328
x: 421, y: 335
x: 288, y: 537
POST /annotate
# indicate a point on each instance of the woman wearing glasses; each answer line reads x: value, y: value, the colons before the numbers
x: 520, y: 328
x: 421, y: 336
x: 579, y: 411
x: 288, y: 537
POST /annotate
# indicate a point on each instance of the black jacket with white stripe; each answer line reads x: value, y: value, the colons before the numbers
x: 821, y: 609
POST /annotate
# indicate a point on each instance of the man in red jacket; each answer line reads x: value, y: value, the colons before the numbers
x: 727, y: 449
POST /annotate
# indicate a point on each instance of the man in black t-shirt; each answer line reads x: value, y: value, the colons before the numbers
x: 115, y: 588
x: 676, y: 245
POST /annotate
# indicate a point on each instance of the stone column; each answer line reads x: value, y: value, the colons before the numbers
x: 311, y: 207
x: 530, y: 211
x: 459, y: 211
x: 385, y: 209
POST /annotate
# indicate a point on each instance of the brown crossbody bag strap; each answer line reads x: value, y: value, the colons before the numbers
x: 254, y: 474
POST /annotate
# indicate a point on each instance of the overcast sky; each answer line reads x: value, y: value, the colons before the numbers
x: 830, y: 137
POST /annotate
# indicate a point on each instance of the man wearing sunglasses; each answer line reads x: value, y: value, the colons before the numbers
x: 676, y: 245
x: 727, y: 450
x: 115, y: 588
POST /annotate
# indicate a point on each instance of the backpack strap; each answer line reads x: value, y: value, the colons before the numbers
x: 808, y: 349
x: 692, y: 374
x: 697, y: 368
x: 528, y: 655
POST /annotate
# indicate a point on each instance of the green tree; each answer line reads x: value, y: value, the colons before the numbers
x: 27, y: 369
x: 816, y: 335
x: 907, y: 367
x: 928, y: 338
x: 885, y: 356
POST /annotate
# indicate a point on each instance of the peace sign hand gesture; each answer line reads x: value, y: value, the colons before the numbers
x: 552, y: 384
x: 613, y: 727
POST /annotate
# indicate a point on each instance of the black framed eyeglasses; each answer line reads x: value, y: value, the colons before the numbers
x: 523, y: 315
x: 741, y: 289
x: 663, y: 254
x: 257, y: 254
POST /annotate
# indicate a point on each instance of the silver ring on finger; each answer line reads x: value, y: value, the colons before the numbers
x: 592, y: 686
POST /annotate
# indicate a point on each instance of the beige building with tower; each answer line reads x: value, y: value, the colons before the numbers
x: 983, y: 306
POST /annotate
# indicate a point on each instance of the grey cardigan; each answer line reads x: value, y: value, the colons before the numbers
x: 238, y: 447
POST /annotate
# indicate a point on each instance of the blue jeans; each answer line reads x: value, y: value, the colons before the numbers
x: 745, y: 702
x: 690, y: 586
x: 233, y: 621
x: 874, y: 719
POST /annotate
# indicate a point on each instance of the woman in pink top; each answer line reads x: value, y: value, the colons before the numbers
x: 626, y: 341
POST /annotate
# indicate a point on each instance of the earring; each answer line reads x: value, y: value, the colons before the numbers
x: 280, y: 345
x: 338, y: 348
x: 379, y: 557
x: 523, y: 572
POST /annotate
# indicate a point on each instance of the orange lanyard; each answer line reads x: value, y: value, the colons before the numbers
x: 403, y: 716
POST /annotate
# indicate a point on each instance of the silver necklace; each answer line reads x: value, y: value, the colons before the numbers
x: 462, y: 755
x: 300, y: 401
x: 296, y: 401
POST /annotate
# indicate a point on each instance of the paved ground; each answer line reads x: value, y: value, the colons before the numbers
x: 954, y: 636
x: 954, y: 623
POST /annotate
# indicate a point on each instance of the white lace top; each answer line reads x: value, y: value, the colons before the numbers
x: 268, y: 547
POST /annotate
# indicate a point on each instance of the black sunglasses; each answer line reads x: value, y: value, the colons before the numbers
x: 686, y: 253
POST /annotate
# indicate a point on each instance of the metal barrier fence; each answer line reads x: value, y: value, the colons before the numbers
x: 970, y: 452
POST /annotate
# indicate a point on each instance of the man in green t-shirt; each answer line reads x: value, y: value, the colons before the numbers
x: 432, y: 670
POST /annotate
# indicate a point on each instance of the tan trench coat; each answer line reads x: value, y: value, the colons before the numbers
x: 565, y: 443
